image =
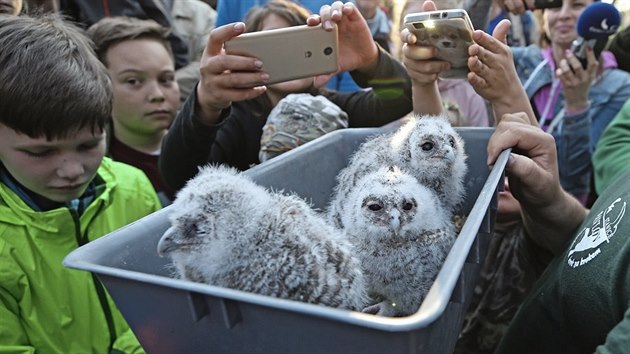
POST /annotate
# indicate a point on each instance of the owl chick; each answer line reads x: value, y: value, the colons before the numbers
x: 372, y: 154
x: 434, y: 153
x: 402, y: 234
x: 427, y: 147
x: 230, y: 232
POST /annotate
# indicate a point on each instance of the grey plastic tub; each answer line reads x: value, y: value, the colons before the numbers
x: 177, y: 316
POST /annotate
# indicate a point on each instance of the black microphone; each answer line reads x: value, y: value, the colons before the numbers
x: 596, y: 23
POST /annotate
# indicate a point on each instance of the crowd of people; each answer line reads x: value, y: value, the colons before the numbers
x: 93, y: 137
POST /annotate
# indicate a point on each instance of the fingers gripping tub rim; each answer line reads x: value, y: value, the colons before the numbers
x: 450, y: 31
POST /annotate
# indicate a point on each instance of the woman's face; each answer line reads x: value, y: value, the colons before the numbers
x: 274, y: 21
x: 560, y: 23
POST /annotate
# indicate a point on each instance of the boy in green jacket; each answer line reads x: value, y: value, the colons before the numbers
x: 57, y: 192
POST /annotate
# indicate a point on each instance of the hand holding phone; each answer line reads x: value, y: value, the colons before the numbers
x: 289, y: 53
x: 450, y: 31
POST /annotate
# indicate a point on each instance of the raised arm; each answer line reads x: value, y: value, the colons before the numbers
x: 423, y: 69
x: 191, y: 136
x: 493, y: 75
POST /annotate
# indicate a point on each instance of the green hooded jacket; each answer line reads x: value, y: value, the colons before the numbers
x: 46, y: 307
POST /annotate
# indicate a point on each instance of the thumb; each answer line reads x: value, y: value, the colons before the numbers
x: 321, y: 80
x: 525, y: 170
x: 428, y: 5
x: 501, y: 30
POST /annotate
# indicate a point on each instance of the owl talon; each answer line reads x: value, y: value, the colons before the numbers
x: 384, y: 308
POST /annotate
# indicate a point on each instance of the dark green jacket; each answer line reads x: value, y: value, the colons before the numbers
x: 581, y: 304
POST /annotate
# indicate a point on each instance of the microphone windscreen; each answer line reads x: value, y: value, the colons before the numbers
x: 598, y: 20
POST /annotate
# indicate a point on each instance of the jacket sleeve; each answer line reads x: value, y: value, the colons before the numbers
x: 187, y: 144
x: 613, y: 150
x: 69, y: 8
x: 127, y: 343
x: 573, y: 143
x: 618, y: 339
x: 227, y: 13
x: 12, y: 337
x: 575, y: 149
x: 388, y: 99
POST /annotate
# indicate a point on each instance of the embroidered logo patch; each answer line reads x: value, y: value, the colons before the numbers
x: 589, y: 242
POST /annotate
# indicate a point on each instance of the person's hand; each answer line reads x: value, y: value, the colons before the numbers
x: 226, y: 78
x: 532, y: 169
x: 419, y: 60
x: 423, y: 69
x: 493, y: 74
x: 491, y: 64
x: 357, y: 49
x: 516, y: 6
x: 550, y: 215
x: 576, y: 81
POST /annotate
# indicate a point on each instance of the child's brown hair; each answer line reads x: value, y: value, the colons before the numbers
x: 51, y: 83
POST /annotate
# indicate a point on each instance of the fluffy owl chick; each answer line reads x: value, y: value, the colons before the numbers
x: 426, y: 146
x: 434, y: 153
x: 374, y: 153
x: 402, y: 234
x: 230, y: 232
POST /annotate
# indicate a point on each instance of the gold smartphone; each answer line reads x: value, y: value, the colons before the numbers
x: 450, y: 31
x: 290, y: 53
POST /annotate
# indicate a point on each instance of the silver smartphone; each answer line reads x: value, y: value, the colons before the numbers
x: 290, y: 53
x: 450, y: 31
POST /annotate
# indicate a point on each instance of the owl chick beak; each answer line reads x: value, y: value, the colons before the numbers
x: 394, y: 220
x: 450, y: 154
x: 166, y: 243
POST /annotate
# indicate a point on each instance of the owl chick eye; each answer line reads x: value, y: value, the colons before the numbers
x: 452, y: 141
x: 407, y: 206
x: 375, y: 206
x: 427, y: 146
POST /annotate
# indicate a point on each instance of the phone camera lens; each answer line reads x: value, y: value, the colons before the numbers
x: 328, y: 51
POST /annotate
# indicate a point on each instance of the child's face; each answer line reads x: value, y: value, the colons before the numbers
x: 60, y: 169
x: 146, y: 95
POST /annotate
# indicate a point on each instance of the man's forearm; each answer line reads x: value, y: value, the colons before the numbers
x: 512, y: 103
x: 553, y: 225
